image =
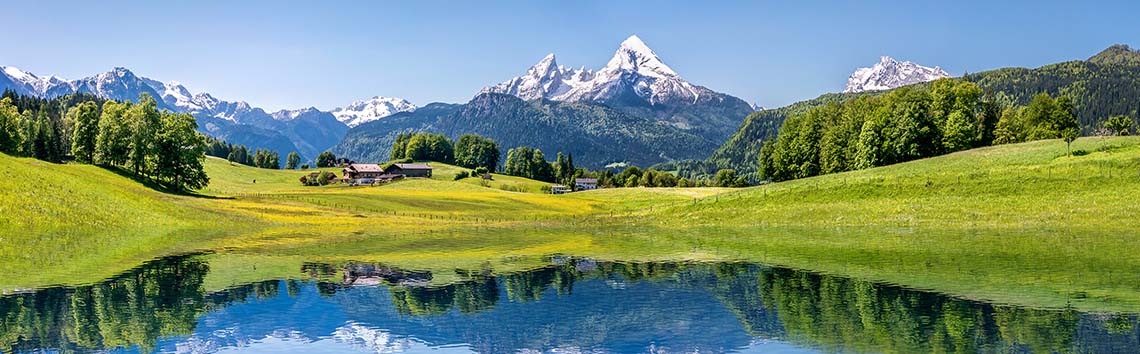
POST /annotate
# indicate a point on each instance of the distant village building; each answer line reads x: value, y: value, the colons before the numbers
x: 559, y: 189
x: 410, y: 169
x: 370, y: 174
x: 362, y: 170
x: 585, y: 184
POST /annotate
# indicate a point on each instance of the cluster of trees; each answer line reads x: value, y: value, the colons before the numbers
x: 240, y: 154
x: 531, y: 163
x: 327, y: 159
x: 1044, y: 118
x: 36, y: 127
x: 471, y: 151
x: 158, y: 145
x: 1119, y: 125
x: 317, y: 178
x: 636, y: 177
x: 907, y: 124
x: 423, y: 146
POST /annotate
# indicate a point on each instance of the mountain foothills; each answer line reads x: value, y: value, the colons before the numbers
x: 1103, y: 86
x: 596, y: 135
x: 635, y: 110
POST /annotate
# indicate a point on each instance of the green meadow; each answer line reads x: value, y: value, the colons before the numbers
x: 1024, y: 224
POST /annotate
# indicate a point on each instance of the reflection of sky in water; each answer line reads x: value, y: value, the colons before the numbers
x: 601, y: 315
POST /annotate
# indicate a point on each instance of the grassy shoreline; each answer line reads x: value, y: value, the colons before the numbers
x: 1021, y: 224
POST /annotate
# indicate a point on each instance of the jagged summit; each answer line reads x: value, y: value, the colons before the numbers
x: 634, y: 71
x: 634, y: 55
x: 889, y: 73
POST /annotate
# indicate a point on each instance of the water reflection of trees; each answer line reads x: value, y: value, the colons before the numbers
x: 159, y: 299
x: 165, y: 298
x: 828, y: 312
x: 841, y: 314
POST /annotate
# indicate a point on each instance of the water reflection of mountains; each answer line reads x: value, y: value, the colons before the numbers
x: 573, y: 304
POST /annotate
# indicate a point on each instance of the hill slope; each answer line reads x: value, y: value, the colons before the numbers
x: 1105, y: 85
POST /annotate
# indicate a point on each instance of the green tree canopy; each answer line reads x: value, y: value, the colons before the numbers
x: 326, y: 159
x: 292, y: 161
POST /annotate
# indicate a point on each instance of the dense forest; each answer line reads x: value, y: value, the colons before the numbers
x: 161, y: 146
x: 907, y: 124
x: 1106, y: 85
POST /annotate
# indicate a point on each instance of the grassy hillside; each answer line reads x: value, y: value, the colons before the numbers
x: 58, y: 220
x: 1033, y: 184
x: 1023, y: 224
x: 1105, y: 85
x: 445, y: 172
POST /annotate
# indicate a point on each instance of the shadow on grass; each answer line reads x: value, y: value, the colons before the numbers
x: 159, y: 187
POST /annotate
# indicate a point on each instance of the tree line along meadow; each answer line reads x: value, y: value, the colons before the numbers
x: 911, y: 123
x: 483, y: 155
x: 900, y: 125
x: 136, y: 138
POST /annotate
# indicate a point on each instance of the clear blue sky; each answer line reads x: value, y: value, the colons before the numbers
x: 281, y: 54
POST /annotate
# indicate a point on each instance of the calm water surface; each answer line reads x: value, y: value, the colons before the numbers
x: 572, y: 305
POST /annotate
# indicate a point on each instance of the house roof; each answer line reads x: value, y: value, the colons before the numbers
x: 413, y: 166
x: 366, y: 167
x: 586, y: 180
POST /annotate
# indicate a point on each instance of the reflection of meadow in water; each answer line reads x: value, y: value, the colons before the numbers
x: 571, y: 305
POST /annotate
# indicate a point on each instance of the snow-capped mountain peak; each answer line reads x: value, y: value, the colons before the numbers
x: 377, y: 107
x: 634, y: 72
x: 544, y: 66
x: 633, y: 55
x: 889, y: 73
x: 291, y: 114
x: 28, y: 83
x: 18, y: 74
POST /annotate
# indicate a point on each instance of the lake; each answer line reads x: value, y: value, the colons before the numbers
x: 571, y: 304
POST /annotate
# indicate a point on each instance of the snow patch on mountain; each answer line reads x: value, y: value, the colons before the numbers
x: 291, y: 114
x: 889, y: 73
x: 377, y: 107
x: 634, y: 68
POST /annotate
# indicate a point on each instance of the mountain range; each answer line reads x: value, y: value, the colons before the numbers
x: 634, y: 110
x: 636, y: 81
x: 307, y: 131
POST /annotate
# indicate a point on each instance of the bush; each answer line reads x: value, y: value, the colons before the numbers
x: 321, y: 179
x: 461, y: 175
